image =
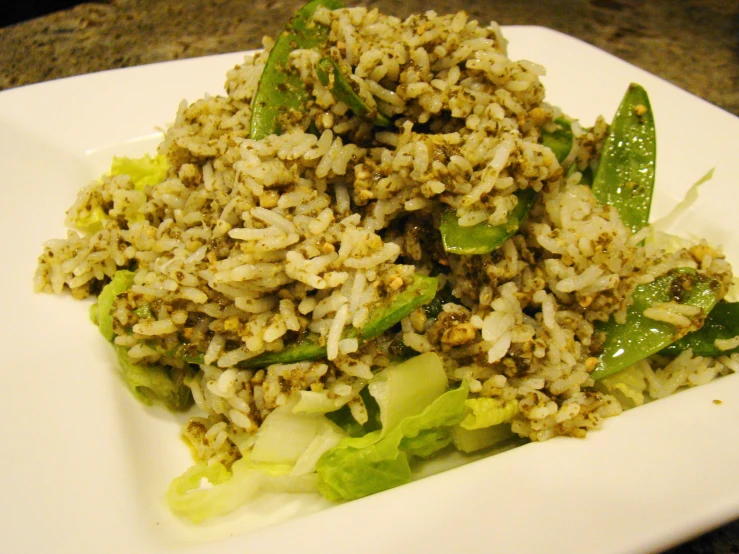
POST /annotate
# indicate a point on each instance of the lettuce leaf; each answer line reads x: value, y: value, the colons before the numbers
x: 144, y: 171
x: 485, y: 412
x: 121, y: 282
x: 296, y: 439
x: 406, y: 389
x: 153, y: 383
x: 629, y: 385
x: 150, y: 383
x: 380, y: 460
x: 206, y: 491
x: 92, y: 222
x: 472, y: 440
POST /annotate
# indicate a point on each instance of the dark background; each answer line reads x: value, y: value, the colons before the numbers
x: 21, y: 10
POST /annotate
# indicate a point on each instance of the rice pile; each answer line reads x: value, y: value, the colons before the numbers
x: 249, y: 245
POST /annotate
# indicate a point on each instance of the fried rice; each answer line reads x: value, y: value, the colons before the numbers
x: 247, y: 245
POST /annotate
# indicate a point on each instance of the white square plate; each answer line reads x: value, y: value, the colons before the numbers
x: 84, y: 467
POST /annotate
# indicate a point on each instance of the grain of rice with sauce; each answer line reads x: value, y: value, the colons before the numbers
x: 249, y: 244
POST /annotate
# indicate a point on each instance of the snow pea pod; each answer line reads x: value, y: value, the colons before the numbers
x: 639, y: 336
x: 721, y: 324
x: 387, y: 313
x: 281, y: 90
x: 421, y: 291
x: 483, y: 238
x: 391, y: 311
x: 560, y: 140
x: 331, y: 76
x: 624, y: 177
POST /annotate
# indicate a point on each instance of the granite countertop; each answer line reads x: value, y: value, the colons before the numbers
x: 693, y: 44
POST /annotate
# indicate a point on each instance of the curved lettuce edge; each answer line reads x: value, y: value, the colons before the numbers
x: 361, y: 466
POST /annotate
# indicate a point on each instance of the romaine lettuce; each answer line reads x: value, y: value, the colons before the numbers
x: 144, y: 171
x: 485, y: 412
x: 365, y: 465
x: 152, y: 383
x: 206, y: 491
x: 121, y: 282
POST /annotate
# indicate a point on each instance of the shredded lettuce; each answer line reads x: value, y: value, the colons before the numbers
x: 472, y: 440
x: 286, y: 437
x: 144, y: 171
x: 206, y: 491
x: 92, y: 222
x: 380, y: 460
x: 485, y: 424
x: 628, y: 385
x: 407, y: 388
x: 328, y: 436
x: 656, y: 231
x: 314, y: 402
x: 121, y: 282
x: 153, y: 383
x: 485, y: 412
x: 150, y: 383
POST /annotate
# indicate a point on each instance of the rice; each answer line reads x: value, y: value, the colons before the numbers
x: 249, y: 246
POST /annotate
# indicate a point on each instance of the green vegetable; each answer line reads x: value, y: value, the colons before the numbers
x: 144, y: 171
x: 306, y: 349
x: 343, y: 416
x: 625, y: 174
x: 152, y: 383
x: 559, y: 140
x: 284, y: 435
x: 297, y: 439
x: 149, y: 383
x: 144, y: 312
x: 629, y: 386
x: 659, y: 227
x: 483, y: 238
x: 380, y: 460
x: 121, y: 282
x: 486, y: 412
x: 92, y: 222
x: 485, y: 424
x: 229, y: 490
x: 419, y: 292
x: 327, y: 437
x: 472, y: 440
x: 281, y: 90
x: 434, y: 307
x: 640, y: 336
x: 721, y: 324
x: 331, y: 77
x: 406, y: 389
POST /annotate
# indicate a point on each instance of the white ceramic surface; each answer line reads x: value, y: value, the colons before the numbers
x: 84, y: 467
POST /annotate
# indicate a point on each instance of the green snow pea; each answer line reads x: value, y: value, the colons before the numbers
x: 331, y: 76
x: 624, y: 177
x: 386, y: 314
x: 721, y: 324
x: 383, y: 317
x: 421, y: 291
x: 639, y: 336
x: 560, y: 140
x: 483, y: 238
x: 281, y: 90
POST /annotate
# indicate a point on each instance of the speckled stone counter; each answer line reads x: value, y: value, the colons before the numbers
x: 693, y: 44
x: 690, y: 43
